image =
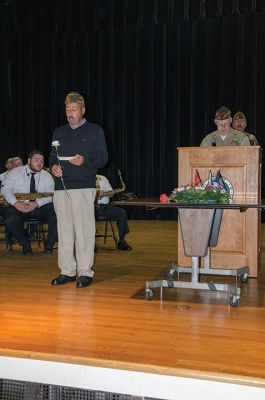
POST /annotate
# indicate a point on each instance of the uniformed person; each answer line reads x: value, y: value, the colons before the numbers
x: 239, y: 123
x: 225, y: 135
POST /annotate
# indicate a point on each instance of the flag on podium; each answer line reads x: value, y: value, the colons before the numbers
x: 197, y: 179
x: 210, y: 180
x: 218, y: 181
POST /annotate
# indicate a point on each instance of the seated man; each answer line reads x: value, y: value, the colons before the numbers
x: 105, y: 209
x: 30, y: 178
x: 225, y: 135
x: 8, y: 166
x: 240, y: 123
x: 17, y: 162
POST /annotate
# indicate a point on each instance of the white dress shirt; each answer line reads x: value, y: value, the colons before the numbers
x: 3, y: 175
x: 103, y: 184
x: 2, y: 178
x: 18, y: 181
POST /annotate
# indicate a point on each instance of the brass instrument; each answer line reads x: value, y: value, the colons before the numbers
x: 110, y: 193
x: 25, y: 196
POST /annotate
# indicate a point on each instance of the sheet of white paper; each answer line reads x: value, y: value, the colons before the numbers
x: 65, y: 158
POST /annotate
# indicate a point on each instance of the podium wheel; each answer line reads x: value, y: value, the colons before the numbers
x: 149, y: 294
x: 244, y: 277
x: 234, y: 301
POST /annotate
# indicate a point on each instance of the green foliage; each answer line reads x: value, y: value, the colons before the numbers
x: 192, y: 195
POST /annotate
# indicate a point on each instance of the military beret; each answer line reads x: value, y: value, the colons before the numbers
x: 74, y: 97
x: 239, y: 115
x: 223, y: 113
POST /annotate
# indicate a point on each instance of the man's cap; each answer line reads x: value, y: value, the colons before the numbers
x: 239, y: 115
x: 74, y: 97
x: 222, y: 113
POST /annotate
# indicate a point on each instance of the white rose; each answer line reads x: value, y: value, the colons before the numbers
x: 181, y: 188
x: 56, y: 143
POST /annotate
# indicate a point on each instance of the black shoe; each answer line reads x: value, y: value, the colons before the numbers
x: 83, y: 281
x: 48, y: 248
x: 123, y: 245
x: 62, y: 279
x: 27, y: 249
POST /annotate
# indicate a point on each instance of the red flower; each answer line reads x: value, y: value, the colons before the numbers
x: 163, y: 198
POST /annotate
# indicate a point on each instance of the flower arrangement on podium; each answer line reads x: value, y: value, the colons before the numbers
x: 213, y: 190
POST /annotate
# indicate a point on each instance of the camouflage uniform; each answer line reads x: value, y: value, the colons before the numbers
x: 253, y: 140
x: 241, y: 116
x: 234, y: 138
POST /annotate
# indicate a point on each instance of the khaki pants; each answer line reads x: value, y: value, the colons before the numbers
x: 76, y: 231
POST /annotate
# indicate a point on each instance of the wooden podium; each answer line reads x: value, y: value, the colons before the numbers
x: 238, y: 242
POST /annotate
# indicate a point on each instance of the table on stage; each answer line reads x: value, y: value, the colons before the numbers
x: 200, y: 225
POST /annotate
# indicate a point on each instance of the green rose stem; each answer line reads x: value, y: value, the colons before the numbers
x: 57, y: 154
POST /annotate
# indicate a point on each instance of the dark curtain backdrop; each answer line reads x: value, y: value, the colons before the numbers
x: 152, y: 73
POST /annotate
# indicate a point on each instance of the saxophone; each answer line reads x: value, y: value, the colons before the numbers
x: 26, y: 197
x: 110, y: 193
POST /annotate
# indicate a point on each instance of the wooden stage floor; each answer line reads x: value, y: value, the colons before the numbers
x: 110, y: 324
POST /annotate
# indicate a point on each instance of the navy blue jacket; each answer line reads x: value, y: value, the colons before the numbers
x: 88, y: 140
